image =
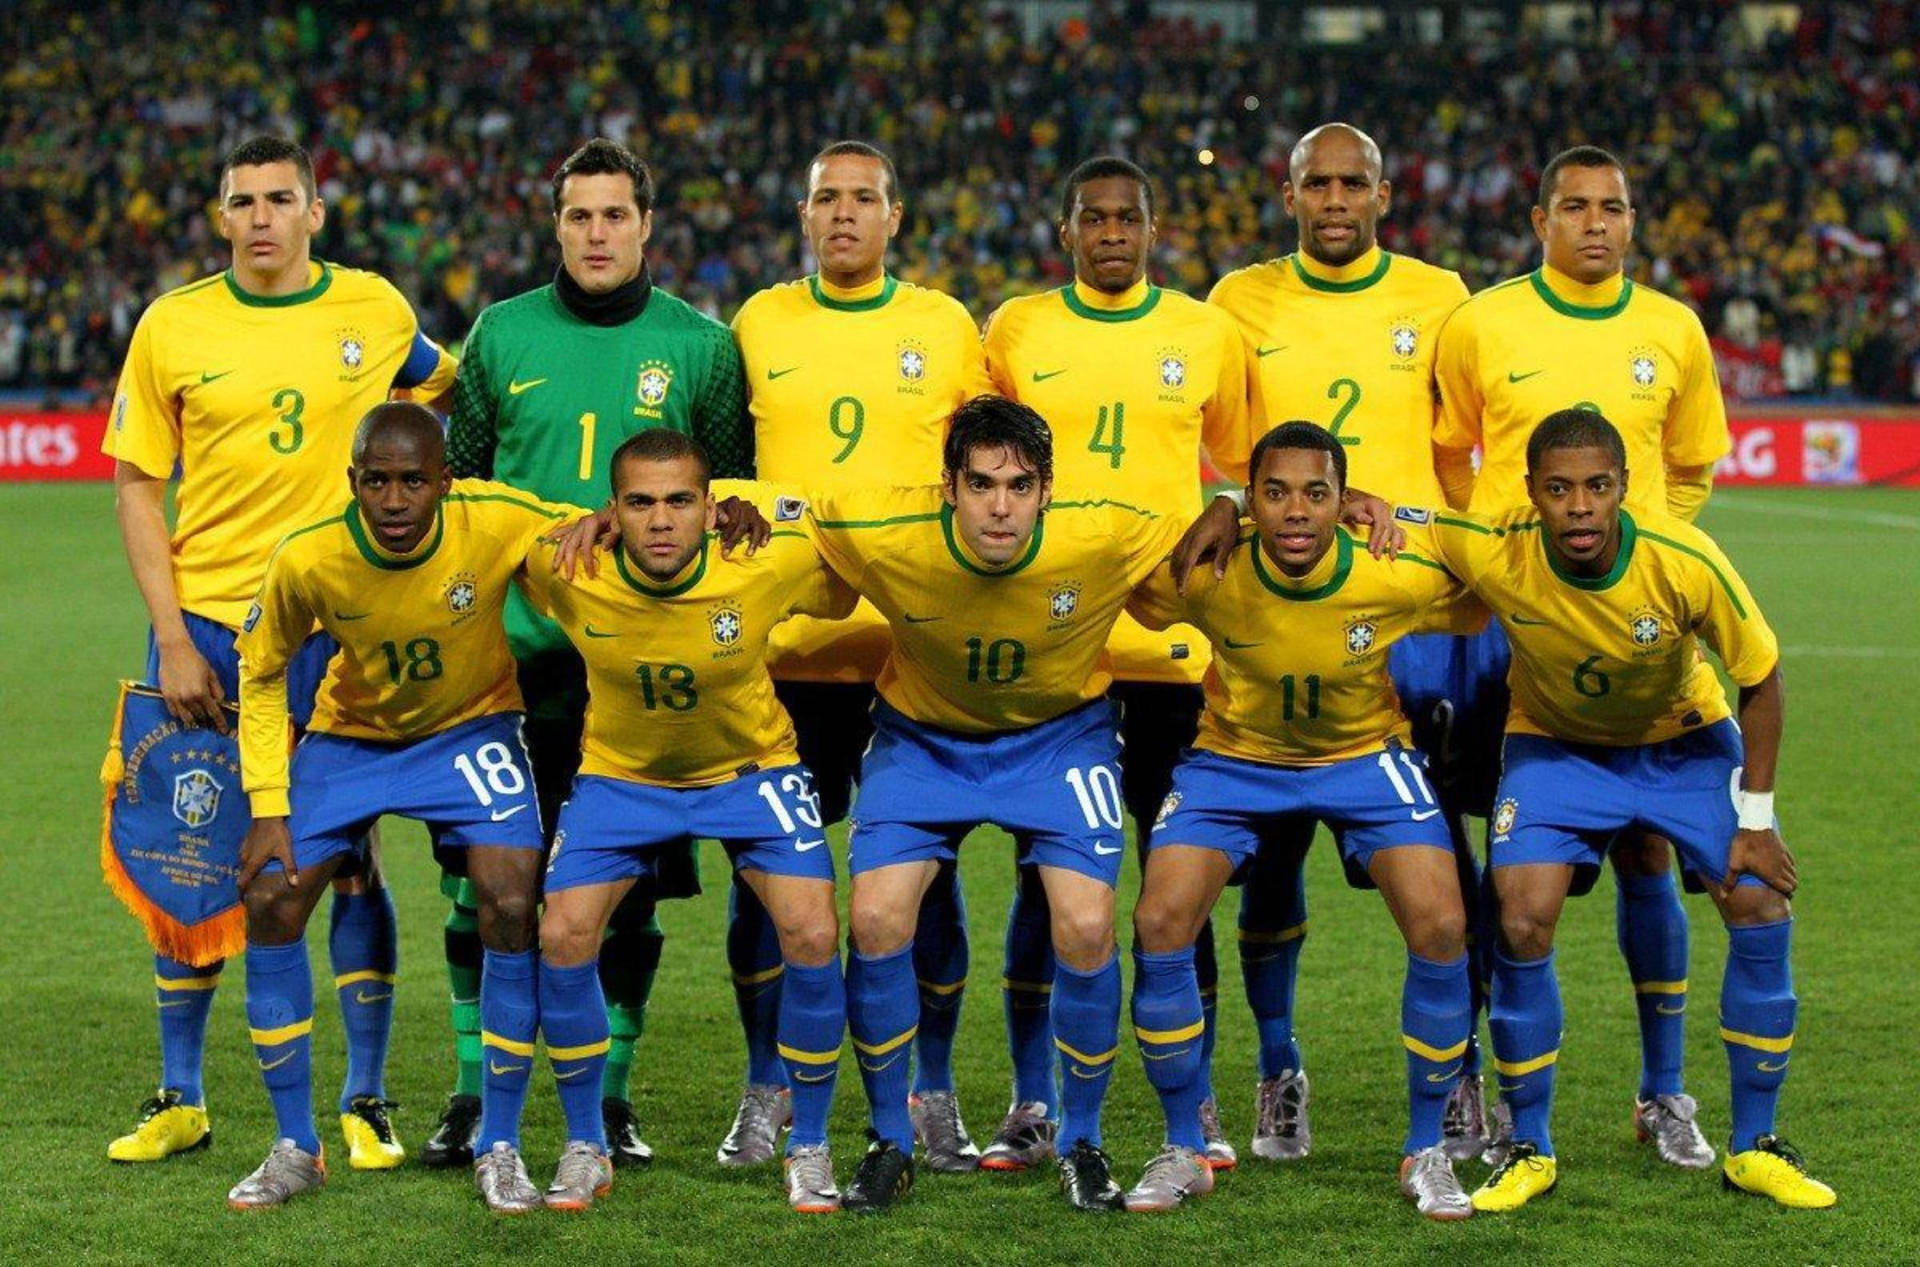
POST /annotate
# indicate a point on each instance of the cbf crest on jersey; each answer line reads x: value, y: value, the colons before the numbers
x: 655, y: 381
x: 1644, y: 627
x: 1404, y: 338
x: 725, y: 623
x: 1644, y: 366
x: 1063, y: 601
x: 461, y: 595
x: 353, y: 350
x: 1172, y: 369
x: 912, y: 360
x: 1360, y: 636
x: 172, y: 823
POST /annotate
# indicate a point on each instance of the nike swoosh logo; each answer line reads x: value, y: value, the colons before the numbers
x: 501, y: 1071
x: 773, y: 373
x: 801, y: 1077
x: 1422, y: 816
x: 870, y: 1067
x: 1106, y: 851
x: 1147, y: 1055
x: 802, y: 846
x: 1518, y: 619
x: 1521, y: 378
x: 1038, y: 377
x: 1664, y: 1010
x: 1263, y: 353
x: 361, y: 996
x: 918, y: 620
x: 1239, y: 646
x: 1448, y: 1076
x: 595, y: 633
x: 206, y: 378
x: 1764, y: 1067
x: 515, y: 388
x: 502, y: 815
x: 1098, y: 1073
x: 351, y: 615
x: 571, y: 1073
x: 275, y: 1064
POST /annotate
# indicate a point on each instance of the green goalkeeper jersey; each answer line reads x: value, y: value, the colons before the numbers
x: 543, y: 398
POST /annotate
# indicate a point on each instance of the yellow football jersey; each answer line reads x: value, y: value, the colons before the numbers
x: 422, y: 647
x: 678, y: 692
x: 852, y: 389
x: 1615, y: 659
x: 1132, y: 385
x: 256, y: 400
x: 1299, y: 674
x: 978, y: 649
x: 1542, y: 343
x: 1352, y: 349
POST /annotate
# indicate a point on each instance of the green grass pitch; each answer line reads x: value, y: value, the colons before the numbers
x: 1837, y: 574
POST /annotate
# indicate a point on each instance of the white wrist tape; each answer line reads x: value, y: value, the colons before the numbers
x: 1755, y: 810
x: 1238, y: 496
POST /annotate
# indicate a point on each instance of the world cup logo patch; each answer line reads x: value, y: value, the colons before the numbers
x: 1504, y: 815
x: 656, y: 379
x: 1360, y: 637
x: 196, y: 797
x: 725, y: 624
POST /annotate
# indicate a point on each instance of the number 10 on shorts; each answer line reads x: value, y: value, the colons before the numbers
x: 1097, y: 789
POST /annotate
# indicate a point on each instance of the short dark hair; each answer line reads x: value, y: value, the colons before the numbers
x: 1578, y: 156
x: 660, y: 444
x: 994, y: 422
x: 1575, y: 429
x: 1300, y: 435
x: 401, y: 417
x: 1100, y: 168
x: 860, y: 149
x: 258, y: 151
x: 603, y: 157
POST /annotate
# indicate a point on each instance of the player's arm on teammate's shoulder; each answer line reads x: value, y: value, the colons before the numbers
x: 474, y: 417
x: 1445, y: 603
x: 722, y: 422
x: 1158, y: 601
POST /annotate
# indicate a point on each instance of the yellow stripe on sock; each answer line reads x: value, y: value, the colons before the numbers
x: 937, y: 987
x: 285, y: 1034
x: 1755, y: 1041
x: 575, y: 1053
x: 346, y: 979
x: 1024, y: 987
x: 1082, y: 1057
x: 1660, y: 987
x: 490, y: 1039
x: 1516, y: 1068
x: 881, y: 1049
x: 1262, y: 938
x: 808, y: 1057
x: 1170, y: 1035
x: 187, y: 983
x: 1439, y: 1055
x: 759, y: 978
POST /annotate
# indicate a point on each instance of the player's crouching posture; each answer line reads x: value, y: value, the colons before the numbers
x: 1302, y: 726
x: 684, y: 738
x: 419, y: 715
x: 1618, y: 723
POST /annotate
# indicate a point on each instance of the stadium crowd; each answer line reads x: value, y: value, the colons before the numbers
x: 1775, y: 177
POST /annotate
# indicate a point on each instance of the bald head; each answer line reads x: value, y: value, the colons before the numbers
x: 1335, y: 194
x: 404, y: 426
x: 1345, y: 134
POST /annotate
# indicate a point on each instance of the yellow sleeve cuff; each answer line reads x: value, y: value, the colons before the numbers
x: 270, y: 802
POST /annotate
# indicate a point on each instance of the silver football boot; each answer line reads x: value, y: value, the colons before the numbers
x: 1174, y: 1174
x: 502, y: 1179
x: 1221, y: 1154
x: 939, y: 1135
x: 583, y: 1174
x: 1025, y: 1139
x: 1428, y: 1181
x: 1463, y: 1128
x: 1281, y: 1131
x: 810, y: 1186
x: 288, y: 1171
x: 764, y: 1110
x: 1667, y: 1120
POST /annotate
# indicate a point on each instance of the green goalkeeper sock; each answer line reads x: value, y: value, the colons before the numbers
x: 463, y: 974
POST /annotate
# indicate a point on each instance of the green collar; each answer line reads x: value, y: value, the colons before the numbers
x: 1341, y: 288
x: 385, y: 559
x: 1584, y: 312
x: 960, y: 555
x: 314, y: 291
x: 640, y: 583
x: 1079, y: 307
x: 1342, y: 565
x: 1628, y: 533
x: 820, y: 296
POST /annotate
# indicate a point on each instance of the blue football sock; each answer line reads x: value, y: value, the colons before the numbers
x: 753, y: 957
x: 883, y: 1011
x: 1270, y: 943
x: 1086, y: 1032
x: 1170, y: 1023
x: 813, y: 1016
x: 1435, y: 1013
x: 1027, y: 997
x: 363, y: 943
x: 1206, y: 972
x: 1525, y: 1020
x: 280, y: 1016
x: 509, y: 1021
x: 573, y: 1019
x: 1757, y: 1010
x: 940, y: 962
x: 1653, y: 939
x: 183, y: 995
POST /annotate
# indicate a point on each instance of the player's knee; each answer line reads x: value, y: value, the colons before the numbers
x: 567, y: 942
x: 1525, y: 933
x: 811, y: 942
x: 1161, y: 926
x: 1439, y: 935
x: 276, y: 913
x: 1083, y: 939
x: 507, y: 922
x: 1750, y: 904
x: 879, y: 928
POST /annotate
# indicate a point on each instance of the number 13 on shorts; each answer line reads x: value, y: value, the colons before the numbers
x: 793, y: 803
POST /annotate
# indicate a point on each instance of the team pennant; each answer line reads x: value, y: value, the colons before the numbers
x: 171, y: 829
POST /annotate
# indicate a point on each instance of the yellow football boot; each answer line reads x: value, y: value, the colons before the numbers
x: 166, y: 1127
x: 1775, y: 1168
x: 371, y: 1144
x: 1524, y: 1175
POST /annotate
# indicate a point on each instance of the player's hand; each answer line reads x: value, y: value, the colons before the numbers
x: 1211, y: 536
x: 190, y: 687
x: 579, y: 541
x: 1363, y: 509
x: 268, y: 840
x: 737, y: 520
x: 1762, y: 854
